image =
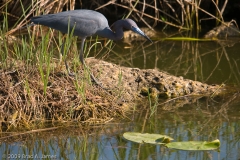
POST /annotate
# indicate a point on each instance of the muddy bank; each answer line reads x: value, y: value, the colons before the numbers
x: 23, y: 101
x: 136, y: 83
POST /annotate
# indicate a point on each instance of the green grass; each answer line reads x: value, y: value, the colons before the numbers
x: 37, y: 86
x: 44, y: 61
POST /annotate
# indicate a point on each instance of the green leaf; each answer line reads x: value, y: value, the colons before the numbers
x: 186, y: 39
x: 195, y: 145
x: 147, y: 138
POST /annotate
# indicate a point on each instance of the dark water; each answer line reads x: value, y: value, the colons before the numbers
x: 202, y: 118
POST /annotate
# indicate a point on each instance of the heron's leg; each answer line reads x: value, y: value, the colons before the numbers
x: 83, y: 62
x: 81, y: 51
x: 65, y: 61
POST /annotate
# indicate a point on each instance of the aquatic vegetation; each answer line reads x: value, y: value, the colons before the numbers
x: 166, y: 141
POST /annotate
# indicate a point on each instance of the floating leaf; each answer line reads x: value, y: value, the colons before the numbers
x: 195, y: 145
x: 147, y: 138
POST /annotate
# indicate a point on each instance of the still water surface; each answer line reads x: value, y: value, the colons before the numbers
x: 203, y: 119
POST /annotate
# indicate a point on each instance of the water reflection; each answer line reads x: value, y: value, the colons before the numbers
x: 197, y: 121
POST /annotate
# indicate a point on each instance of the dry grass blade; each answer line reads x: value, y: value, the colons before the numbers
x: 23, y: 103
x: 151, y: 17
x: 22, y: 10
x: 28, y: 132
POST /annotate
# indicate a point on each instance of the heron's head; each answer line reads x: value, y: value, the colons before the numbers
x: 130, y: 25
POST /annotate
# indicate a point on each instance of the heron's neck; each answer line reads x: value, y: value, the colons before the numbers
x: 108, y: 33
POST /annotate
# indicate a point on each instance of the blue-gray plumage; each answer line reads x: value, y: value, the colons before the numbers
x: 85, y: 23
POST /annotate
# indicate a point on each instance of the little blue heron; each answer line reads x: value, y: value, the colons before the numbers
x: 85, y: 23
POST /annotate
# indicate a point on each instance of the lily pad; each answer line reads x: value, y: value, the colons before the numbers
x: 195, y: 145
x: 147, y: 138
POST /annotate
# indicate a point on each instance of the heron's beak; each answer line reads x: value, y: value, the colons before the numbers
x: 138, y: 31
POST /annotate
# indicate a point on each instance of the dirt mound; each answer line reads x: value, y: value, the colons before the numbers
x: 24, y: 101
x: 135, y: 82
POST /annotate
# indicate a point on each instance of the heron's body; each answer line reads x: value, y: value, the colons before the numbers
x: 85, y: 23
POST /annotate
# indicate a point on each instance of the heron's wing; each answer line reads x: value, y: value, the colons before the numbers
x: 82, y: 26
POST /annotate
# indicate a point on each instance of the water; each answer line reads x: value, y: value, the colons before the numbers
x: 203, y: 119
